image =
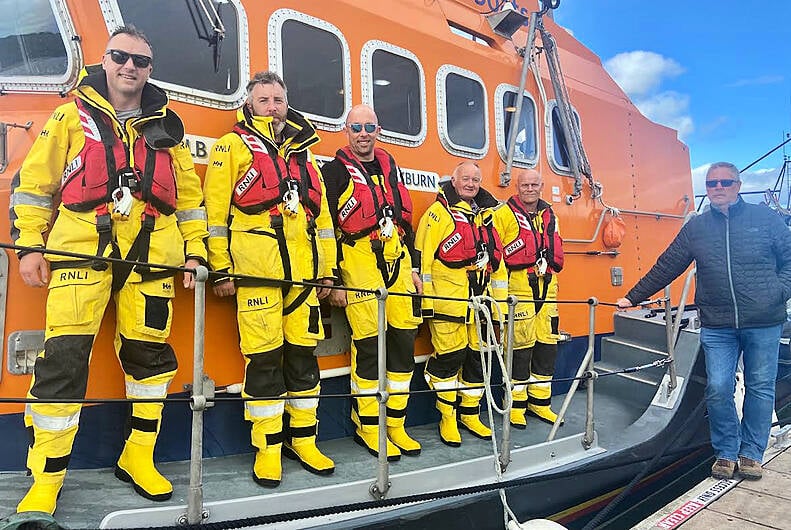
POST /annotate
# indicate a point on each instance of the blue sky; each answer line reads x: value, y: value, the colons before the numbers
x: 718, y: 71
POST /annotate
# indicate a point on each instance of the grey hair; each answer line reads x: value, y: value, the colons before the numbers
x: 265, y: 78
x: 133, y: 32
x: 727, y: 165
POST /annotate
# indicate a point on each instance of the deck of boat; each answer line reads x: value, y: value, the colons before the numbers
x: 623, y: 416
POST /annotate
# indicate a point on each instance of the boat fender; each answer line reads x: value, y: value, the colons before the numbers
x: 614, y: 229
x: 535, y: 524
x: 37, y: 520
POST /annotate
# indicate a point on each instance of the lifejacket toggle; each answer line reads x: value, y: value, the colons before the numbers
x: 291, y: 198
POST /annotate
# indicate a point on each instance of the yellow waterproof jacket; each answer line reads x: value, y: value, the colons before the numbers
x: 230, y: 159
x: 435, y: 226
x: 60, y: 141
x: 507, y: 226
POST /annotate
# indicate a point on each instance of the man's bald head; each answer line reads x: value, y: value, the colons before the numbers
x: 466, y: 180
x: 362, y: 129
x: 529, y: 186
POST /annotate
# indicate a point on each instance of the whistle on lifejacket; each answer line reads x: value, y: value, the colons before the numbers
x: 122, y: 203
x: 291, y: 199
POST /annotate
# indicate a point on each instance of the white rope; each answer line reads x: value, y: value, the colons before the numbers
x: 481, y: 309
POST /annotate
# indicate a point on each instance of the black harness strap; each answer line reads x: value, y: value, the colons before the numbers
x: 137, y: 252
x: 539, y: 295
x: 377, y: 246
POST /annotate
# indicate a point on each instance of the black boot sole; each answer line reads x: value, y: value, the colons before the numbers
x: 474, y: 433
x: 122, y: 475
x: 266, y: 482
x: 292, y: 455
x: 361, y: 442
x: 534, y: 415
x: 518, y: 426
x: 446, y: 442
x: 408, y: 452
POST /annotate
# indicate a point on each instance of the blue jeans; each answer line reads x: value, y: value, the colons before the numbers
x: 722, y: 347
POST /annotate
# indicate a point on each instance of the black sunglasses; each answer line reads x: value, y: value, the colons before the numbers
x: 120, y: 57
x: 358, y: 127
x: 725, y: 183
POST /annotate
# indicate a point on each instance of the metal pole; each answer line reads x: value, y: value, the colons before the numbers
x: 586, y: 360
x: 195, y: 497
x: 379, y: 489
x: 505, y: 177
x: 505, y: 447
x: 671, y: 369
x: 587, y: 441
x: 671, y: 339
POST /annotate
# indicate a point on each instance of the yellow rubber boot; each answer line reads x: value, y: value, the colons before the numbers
x: 396, y: 413
x: 303, y: 426
x: 47, y: 460
x: 43, y: 494
x: 136, y: 466
x: 136, y: 463
x: 469, y: 416
x: 48, y: 456
x: 267, y: 436
x: 539, y: 398
x: 366, y: 417
x: 446, y: 405
x: 518, y: 405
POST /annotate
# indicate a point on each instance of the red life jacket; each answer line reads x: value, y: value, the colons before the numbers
x: 93, y: 174
x: 270, y: 176
x: 361, y: 213
x: 462, y: 247
x: 530, y: 244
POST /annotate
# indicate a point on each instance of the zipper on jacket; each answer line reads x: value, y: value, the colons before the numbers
x: 730, y: 272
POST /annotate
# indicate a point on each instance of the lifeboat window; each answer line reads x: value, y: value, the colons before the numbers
x: 556, y: 139
x: 198, y: 55
x: 394, y: 85
x: 462, y: 115
x: 37, y: 50
x: 313, y: 58
x: 526, y: 152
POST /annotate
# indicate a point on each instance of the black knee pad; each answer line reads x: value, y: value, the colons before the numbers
x: 544, y: 356
x: 401, y: 349
x: 446, y: 365
x: 520, y: 368
x: 142, y: 359
x: 367, y: 358
x: 472, y: 370
x: 264, y: 374
x: 300, y: 367
x: 63, y: 370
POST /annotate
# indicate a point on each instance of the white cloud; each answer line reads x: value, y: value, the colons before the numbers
x: 760, y: 80
x: 668, y: 108
x: 640, y: 72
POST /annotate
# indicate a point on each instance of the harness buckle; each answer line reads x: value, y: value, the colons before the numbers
x: 129, y: 177
x: 103, y: 223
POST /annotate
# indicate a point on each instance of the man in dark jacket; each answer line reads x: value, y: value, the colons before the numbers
x: 743, y: 257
